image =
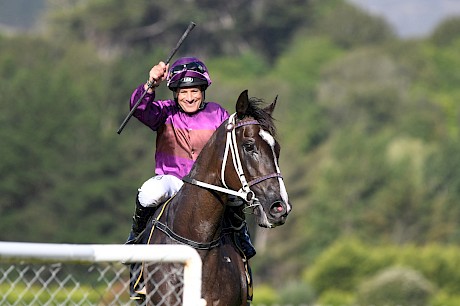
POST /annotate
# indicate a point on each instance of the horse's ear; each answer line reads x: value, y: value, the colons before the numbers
x: 242, y: 104
x: 269, y: 109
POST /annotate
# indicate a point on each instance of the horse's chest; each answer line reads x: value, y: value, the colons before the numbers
x: 204, y: 227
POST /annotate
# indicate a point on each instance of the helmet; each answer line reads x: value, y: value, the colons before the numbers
x: 186, y: 72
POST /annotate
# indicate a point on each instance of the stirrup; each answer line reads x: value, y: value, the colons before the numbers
x: 142, y: 291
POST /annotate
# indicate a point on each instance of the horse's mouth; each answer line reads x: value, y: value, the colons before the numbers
x: 277, y: 215
x: 270, y: 224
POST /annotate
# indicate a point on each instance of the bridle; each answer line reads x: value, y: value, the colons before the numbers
x: 244, y: 192
x: 231, y: 146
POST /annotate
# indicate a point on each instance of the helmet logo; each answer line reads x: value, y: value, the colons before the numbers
x: 187, y: 80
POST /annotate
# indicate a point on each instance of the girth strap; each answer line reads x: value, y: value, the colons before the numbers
x: 197, y: 245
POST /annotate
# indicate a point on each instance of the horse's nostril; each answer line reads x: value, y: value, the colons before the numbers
x: 277, y: 209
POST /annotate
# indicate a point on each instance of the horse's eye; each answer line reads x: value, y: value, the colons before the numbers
x: 249, y: 146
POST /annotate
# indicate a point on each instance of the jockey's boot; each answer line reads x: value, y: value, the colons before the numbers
x: 245, y: 242
x: 140, y: 218
x: 136, y: 283
x: 234, y: 215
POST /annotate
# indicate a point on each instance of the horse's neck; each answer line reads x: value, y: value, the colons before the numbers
x: 201, y: 209
x: 199, y: 213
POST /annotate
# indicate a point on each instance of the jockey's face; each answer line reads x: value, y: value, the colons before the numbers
x: 189, y: 98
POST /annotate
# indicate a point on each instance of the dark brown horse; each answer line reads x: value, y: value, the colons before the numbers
x: 240, y: 159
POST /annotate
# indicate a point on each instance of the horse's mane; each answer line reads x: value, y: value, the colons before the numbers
x: 258, y: 113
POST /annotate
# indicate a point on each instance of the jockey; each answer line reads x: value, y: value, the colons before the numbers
x: 183, y: 127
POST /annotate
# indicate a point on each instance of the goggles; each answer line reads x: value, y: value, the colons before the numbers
x: 193, y: 66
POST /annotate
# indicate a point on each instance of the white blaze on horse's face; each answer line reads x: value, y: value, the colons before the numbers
x: 271, y: 142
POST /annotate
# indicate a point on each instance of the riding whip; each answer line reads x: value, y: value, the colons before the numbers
x: 150, y: 85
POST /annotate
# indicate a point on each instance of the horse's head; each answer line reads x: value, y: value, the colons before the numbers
x: 254, y: 157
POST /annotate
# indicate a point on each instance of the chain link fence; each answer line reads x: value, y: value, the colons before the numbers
x: 76, y: 281
x: 73, y: 284
x: 63, y: 284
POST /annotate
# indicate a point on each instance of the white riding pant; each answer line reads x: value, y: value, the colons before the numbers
x: 158, y: 189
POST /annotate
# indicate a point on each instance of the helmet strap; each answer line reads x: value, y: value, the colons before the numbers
x: 203, y: 94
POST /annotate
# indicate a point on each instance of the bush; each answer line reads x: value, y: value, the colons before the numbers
x: 437, y: 263
x: 264, y: 295
x: 446, y: 32
x: 395, y: 286
x: 344, y: 265
x: 294, y: 293
x: 444, y: 299
x: 335, y: 298
x: 297, y: 293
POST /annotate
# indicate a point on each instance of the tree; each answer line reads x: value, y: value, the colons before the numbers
x: 446, y: 32
x: 64, y: 170
x: 116, y: 26
x: 348, y: 26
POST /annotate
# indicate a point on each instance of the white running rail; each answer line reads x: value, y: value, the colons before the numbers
x: 46, y: 252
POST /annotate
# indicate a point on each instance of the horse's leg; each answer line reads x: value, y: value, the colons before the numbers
x: 224, y: 279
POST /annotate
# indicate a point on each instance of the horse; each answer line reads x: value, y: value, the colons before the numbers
x: 239, y: 160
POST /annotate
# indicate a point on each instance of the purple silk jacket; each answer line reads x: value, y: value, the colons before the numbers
x: 180, y: 136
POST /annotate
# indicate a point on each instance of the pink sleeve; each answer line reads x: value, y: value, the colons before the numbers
x: 150, y: 112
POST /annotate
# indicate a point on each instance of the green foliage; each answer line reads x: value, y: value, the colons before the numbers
x: 302, y: 63
x: 348, y: 26
x: 368, y: 127
x: 366, y: 87
x: 437, y: 263
x: 343, y: 266
x: 300, y: 67
x: 335, y: 297
x: 446, y: 32
x: 348, y: 265
x: 117, y: 25
x: 264, y: 295
x: 395, y: 286
x: 98, y: 21
x: 442, y: 187
x: 443, y: 299
x: 296, y: 293
x: 292, y: 293
x: 229, y: 72
x: 35, y: 295
x: 60, y: 141
x: 231, y: 68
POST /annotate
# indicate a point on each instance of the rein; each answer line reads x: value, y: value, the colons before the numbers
x: 197, y: 245
x: 231, y: 146
x: 156, y: 224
